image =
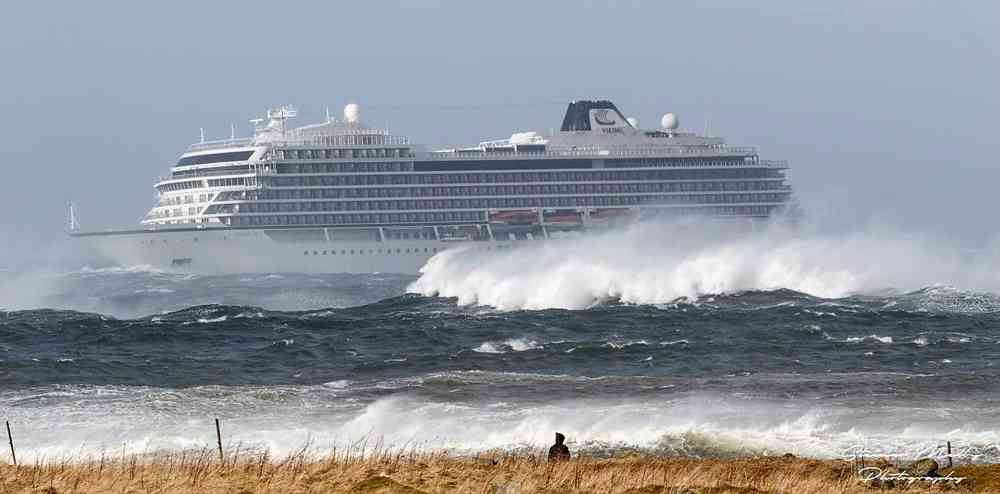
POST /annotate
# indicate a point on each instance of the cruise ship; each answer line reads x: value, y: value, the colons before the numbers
x: 341, y: 196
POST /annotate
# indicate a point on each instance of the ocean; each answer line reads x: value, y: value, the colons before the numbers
x: 653, y: 346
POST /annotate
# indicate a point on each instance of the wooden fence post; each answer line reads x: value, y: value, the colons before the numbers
x: 10, y: 439
x: 218, y: 437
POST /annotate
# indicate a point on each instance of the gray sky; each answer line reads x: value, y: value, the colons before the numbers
x: 886, y: 109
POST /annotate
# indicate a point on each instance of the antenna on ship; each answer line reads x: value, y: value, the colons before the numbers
x: 232, y: 131
x: 202, y: 129
x: 327, y: 114
x: 74, y: 225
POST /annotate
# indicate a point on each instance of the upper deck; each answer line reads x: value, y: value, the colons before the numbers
x: 591, y: 129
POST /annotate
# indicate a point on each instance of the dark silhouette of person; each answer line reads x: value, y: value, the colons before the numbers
x: 559, y: 451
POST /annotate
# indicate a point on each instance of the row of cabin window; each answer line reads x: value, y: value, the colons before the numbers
x: 311, y: 154
x: 425, y: 233
x: 354, y: 219
x: 318, y: 154
x: 523, y: 202
x: 509, y: 190
x: 644, y: 162
x: 368, y: 219
x: 518, y: 177
x: 351, y: 252
x: 172, y: 213
x: 392, y: 166
x: 415, y: 250
x: 507, y: 202
x: 710, y: 211
x: 193, y: 184
x: 529, y: 202
x: 186, y: 199
x: 227, y: 182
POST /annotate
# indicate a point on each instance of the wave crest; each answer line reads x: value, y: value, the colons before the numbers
x: 652, y: 263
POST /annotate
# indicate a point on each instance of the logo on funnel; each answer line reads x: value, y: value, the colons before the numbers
x: 601, y: 117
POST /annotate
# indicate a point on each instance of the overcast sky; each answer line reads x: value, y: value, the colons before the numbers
x: 886, y: 109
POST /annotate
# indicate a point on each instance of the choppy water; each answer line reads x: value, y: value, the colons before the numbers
x: 147, y: 359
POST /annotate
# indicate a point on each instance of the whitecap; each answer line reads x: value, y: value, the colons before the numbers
x: 675, y: 342
x: 212, y: 320
x: 513, y: 344
x: 871, y: 337
x: 249, y: 315
x: 619, y: 346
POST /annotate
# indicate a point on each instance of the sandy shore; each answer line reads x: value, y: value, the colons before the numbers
x: 413, y: 473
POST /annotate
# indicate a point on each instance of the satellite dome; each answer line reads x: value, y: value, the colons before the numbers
x: 669, y: 121
x: 634, y: 122
x: 352, y: 113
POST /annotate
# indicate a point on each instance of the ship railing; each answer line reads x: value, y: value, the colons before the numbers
x: 361, y: 139
x: 595, y: 153
x: 775, y: 163
x: 221, y: 143
x: 349, y: 139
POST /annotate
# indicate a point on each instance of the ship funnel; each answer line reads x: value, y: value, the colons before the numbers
x: 596, y: 116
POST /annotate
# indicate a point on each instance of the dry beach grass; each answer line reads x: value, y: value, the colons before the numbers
x: 415, y: 472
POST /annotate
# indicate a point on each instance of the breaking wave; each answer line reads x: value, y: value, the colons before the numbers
x: 284, y: 418
x: 652, y: 263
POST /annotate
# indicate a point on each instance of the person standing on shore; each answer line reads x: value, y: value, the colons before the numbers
x: 559, y: 451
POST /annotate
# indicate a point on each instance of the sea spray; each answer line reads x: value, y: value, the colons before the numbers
x: 658, y: 262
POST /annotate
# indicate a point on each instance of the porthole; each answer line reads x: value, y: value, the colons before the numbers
x: 306, y: 253
x: 324, y: 252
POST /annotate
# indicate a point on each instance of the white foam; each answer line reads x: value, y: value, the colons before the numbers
x: 212, y: 320
x: 488, y: 347
x: 675, y: 342
x: 513, y: 344
x: 618, y: 345
x: 71, y: 419
x: 659, y: 263
x: 871, y: 337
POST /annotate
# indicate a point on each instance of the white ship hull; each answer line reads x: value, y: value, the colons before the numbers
x: 224, y: 251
